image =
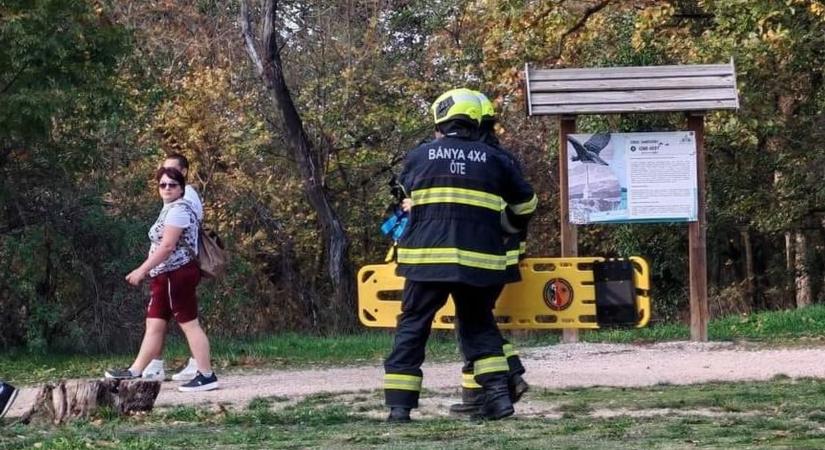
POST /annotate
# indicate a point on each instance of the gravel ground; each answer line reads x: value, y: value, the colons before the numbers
x: 558, y: 366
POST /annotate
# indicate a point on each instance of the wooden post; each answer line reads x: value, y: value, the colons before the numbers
x: 697, y: 237
x: 569, y: 242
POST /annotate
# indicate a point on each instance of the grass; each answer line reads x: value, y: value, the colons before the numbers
x: 782, y: 395
x: 293, y: 350
x: 779, y: 413
x: 285, y: 350
x: 787, y: 326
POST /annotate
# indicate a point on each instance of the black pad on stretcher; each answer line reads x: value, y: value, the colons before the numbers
x: 615, y: 293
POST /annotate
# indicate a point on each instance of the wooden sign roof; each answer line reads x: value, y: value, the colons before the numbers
x: 614, y: 90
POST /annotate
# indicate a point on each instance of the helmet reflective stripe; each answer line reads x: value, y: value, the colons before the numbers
x: 457, y: 104
x: 487, y: 109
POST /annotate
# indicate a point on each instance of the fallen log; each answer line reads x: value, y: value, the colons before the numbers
x: 65, y: 401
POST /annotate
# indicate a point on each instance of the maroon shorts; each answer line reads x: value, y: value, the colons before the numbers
x: 174, y: 294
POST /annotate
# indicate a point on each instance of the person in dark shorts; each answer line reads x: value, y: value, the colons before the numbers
x: 155, y: 370
x: 174, y: 276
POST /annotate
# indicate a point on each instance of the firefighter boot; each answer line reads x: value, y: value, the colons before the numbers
x: 471, y: 401
x: 497, y: 404
x: 399, y: 415
x: 517, y: 387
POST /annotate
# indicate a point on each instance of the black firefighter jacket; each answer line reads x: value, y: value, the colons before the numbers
x: 459, y: 189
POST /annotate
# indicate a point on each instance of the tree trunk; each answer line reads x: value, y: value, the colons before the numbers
x: 750, y: 277
x: 64, y: 401
x: 801, y: 270
x: 270, y: 69
x: 822, y: 286
x: 785, y: 106
x: 789, y: 252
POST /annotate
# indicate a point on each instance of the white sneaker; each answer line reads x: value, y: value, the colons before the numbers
x: 154, y: 371
x: 188, y: 373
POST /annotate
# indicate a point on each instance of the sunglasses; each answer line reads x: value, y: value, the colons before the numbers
x: 168, y: 185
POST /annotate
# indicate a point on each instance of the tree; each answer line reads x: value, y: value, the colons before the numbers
x: 778, y: 50
x: 270, y: 68
x: 59, y: 112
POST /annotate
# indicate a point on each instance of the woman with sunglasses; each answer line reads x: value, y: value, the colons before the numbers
x: 174, y: 273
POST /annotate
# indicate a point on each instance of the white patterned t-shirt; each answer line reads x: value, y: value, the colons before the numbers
x: 177, y: 214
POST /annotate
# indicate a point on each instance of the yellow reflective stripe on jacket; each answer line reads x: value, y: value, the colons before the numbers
x: 522, y: 248
x: 468, y: 381
x: 527, y: 207
x: 512, y: 257
x: 490, y: 364
x: 451, y: 255
x: 509, y: 350
x: 390, y: 253
x: 402, y: 382
x: 461, y: 196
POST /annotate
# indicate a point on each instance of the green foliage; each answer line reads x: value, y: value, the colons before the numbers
x: 59, y: 108
x: 58, y: 60
x: 92, y: 94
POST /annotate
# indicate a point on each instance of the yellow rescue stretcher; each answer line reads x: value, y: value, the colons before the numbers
x: 554, y: 293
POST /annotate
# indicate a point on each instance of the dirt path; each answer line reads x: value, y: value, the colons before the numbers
x: 559, y: 366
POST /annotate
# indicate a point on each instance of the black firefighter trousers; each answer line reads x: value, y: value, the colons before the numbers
x: 479, y: 337
x: 513, y: 360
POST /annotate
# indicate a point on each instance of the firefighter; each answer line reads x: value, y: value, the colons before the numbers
x: 472, y: 394
x: 453, y: 246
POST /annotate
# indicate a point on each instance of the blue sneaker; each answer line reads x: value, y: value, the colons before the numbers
x: 200, y: 383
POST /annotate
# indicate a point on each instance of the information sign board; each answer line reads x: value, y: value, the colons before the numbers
x: 632, y: 177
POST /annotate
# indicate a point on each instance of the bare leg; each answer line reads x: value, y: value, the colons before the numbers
x: 159, y: 355
x: 152, y: 344
x: 198, y: 344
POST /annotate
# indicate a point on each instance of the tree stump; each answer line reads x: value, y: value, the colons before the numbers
x: 62, y: 402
